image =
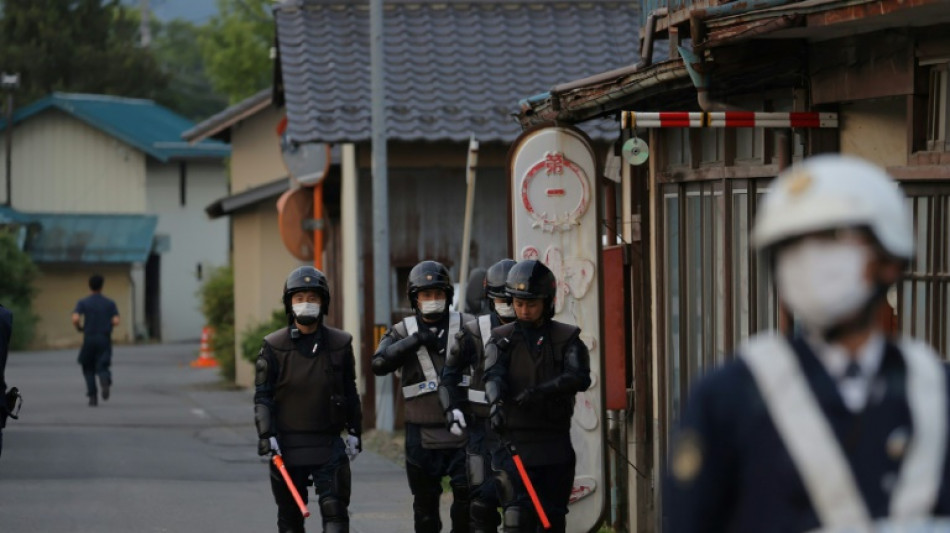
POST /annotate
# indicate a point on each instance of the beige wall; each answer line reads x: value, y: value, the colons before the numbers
x: 58, y: 290
x: 255, y: 151
x: 875, y: 130
x: 261, y: 263
x: 61, y: 165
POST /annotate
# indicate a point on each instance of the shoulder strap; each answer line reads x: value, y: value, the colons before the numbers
x: 484, y: 328
x: 919, y: 480
x: 805, y: 432
x: 431, y: 382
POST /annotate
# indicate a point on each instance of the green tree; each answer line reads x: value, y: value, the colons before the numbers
x: 217, y: 305
x: 178, y: 53
x: 86, y: 46
x: 236, y: 47
x: 16, y: 289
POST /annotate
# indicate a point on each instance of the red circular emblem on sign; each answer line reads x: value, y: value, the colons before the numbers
x: 560, y: 205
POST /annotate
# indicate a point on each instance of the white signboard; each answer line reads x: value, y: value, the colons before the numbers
x: 552, y: 175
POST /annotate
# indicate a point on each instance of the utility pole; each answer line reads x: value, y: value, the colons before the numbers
x: 145, y: 30
x: 382, y: 307
x: 9, y: 83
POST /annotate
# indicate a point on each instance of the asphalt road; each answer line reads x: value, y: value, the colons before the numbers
x: 171, y: 451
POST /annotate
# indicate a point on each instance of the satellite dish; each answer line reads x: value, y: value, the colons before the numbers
x: 293, y: 207
x: 307, y: 162
x: 635, y: 151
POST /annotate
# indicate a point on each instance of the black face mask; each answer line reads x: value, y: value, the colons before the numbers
x: 306, y: 320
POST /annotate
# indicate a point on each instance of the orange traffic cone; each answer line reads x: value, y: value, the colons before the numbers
x: 205, y: 354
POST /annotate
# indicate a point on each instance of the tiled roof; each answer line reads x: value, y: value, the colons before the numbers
x: 453, y: 68
x: 143, y: 124
x: 84, y: 238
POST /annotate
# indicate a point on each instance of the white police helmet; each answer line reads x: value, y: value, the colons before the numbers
x: 833, y: 191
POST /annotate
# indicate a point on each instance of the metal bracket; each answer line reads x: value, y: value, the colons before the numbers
x: 312, y: 224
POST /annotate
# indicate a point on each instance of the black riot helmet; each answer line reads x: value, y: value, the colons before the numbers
x: 496, y: 277
x: 429, y: 275
x: 307, y: 278
x: 531, y: 280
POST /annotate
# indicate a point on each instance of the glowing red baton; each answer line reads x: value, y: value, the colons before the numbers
x: 530, y: 486
x: 279, y: 463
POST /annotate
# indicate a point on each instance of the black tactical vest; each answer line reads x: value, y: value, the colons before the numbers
x: 532, y: 365
x: 423, y: 409
x: 308, y: 393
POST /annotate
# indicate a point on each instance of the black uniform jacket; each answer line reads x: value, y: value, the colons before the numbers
x: 730, y: 471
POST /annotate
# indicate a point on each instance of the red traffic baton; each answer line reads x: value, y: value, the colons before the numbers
x: 279, y: 463
x: 545, y: 523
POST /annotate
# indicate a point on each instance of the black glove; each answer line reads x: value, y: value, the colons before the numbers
x: 497, y: 418
x: 427, y: 338
x: 529, y: 395
x: 263, y: 447
x: 79, y: 328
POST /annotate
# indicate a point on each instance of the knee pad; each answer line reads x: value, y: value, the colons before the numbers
x: 484, y: 515
x: 504, y: 486
x: 461, y: 493
x: 475, y: 463
x: 333, y: 510
x: 519, y: 520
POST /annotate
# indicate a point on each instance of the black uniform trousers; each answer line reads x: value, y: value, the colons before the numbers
x: 552, y: 483
x: 425, y: 468
x: 330, y: 480
x: 95, y: 356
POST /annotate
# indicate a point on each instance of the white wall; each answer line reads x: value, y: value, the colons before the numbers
x: 194, y: 240
x: 61, y: 165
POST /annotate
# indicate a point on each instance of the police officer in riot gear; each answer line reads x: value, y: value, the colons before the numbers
x: 417, y: 347
x: 533, y: 369
x: 836, y: 427
x: 7, y: 398
x: 466, y: 363
x: 305, y: 397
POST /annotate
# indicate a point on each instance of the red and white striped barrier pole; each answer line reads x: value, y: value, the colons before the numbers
x: 728, y: 119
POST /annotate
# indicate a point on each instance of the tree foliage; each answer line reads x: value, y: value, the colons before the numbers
x: 178, y: 52
x: 16, y: 289
x: 217, y: 305
x: 88, y: 46
x: 236, y: 47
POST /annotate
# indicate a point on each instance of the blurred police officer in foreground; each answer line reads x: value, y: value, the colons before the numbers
x: 837, y: 427
x: 417, y: 347
x: 534, y: 367
x: 465, y: 364
x: 6, y: 401
x: 305, y: 396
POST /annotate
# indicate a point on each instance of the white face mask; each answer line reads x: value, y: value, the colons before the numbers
x: 431, y: 307
x: 505, y: 310
x: 823, y: 282
x: 306, y: 310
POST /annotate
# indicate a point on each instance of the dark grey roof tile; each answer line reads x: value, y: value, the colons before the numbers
x: 452, y: 68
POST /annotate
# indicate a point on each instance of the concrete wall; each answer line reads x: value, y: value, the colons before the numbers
x: 59, y: 287
x: 61, y: 165
x: 197, y: 244
x: 261, y: 264
x: 875, y: 130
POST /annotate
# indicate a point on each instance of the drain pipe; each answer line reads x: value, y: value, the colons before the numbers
x: 646, y: 51
x: 695, y: 66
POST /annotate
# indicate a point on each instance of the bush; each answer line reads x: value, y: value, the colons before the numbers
x: 16, y: 289
x: 217, y: 305
x: 252, y: 336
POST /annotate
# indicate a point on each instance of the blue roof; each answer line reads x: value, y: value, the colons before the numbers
x: 84, y: 238
x: 143, y: 124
